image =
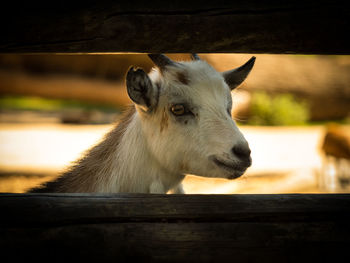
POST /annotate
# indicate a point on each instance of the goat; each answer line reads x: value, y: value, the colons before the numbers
x: 180, y: 123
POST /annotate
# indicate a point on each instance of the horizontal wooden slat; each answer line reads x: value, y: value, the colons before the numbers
x: 249, y: 26
x: 26, y: 209
x: 175, y: 228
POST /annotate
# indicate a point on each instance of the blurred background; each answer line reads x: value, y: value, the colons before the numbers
x: 294, y: 111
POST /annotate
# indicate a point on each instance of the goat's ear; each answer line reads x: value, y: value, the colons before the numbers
x: 236, y: 76
x: 140, y: 89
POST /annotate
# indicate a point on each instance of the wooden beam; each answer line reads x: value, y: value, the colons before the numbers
x: 249, y: 26
x: 175, y: 228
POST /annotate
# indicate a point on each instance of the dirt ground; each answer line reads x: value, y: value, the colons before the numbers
x: 285, y: 160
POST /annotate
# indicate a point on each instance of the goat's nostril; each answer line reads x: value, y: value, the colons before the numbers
x: 241, y: 152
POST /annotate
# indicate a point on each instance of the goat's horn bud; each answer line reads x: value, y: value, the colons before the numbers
x: 161, y: 61
x: 195, y: 56
x: 236, y: 76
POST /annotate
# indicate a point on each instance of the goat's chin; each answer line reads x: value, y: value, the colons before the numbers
x: 235, y: 174
x: 217, y: 168
x: 220, y: 173
x: 230, y: 169
x: 230, y: 174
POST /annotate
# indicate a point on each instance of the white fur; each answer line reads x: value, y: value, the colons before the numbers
x: 152, y: 149
x: 152, y: 160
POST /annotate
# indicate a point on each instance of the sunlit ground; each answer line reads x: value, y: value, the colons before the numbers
x: 285, y: 160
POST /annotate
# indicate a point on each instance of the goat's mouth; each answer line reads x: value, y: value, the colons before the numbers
x: 234, y: 170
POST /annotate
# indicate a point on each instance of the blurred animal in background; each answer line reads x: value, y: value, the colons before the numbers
x: 335, y: 174
x: 180, y: 123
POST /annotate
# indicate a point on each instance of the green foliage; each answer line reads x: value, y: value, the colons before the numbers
x: 282, y: 109
x: 44, y: 104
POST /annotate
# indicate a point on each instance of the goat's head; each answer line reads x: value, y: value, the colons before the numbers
x: 185, y: 111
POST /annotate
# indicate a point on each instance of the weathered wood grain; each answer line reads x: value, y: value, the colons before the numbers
x: 175, y: 228
x: 27, y: 209
x: 249, y: 26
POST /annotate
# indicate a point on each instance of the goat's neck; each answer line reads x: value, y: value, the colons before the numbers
x: 133, y: 168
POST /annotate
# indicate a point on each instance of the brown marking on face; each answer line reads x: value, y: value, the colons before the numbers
x: 164, y: 121
x: 182, y: 78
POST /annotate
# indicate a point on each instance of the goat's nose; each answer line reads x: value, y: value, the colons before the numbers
x: 242, y: 152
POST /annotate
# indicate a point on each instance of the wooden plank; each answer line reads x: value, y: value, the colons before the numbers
x: 175, y: 228
x: 27, y: 209
x: 181, y: 242
x: 249, y: 26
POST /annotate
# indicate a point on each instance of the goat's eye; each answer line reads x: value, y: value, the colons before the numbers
x: 178, y: 109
